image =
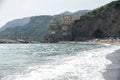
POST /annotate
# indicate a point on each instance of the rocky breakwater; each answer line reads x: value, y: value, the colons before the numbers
x: 16, y: 41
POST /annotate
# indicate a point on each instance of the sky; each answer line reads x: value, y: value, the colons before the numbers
x: 15, y: 9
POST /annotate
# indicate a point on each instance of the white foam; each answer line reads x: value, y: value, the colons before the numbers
x: 107, y: 44
x: 89, y: 66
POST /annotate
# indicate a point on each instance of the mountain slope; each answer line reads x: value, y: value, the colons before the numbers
x: 17, y: 22
x: 103, y: 22
x: 80, y: 12
x: 32, y: 28
x: 66, y: 13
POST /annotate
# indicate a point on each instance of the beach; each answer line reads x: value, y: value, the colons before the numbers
x: 113, y: 70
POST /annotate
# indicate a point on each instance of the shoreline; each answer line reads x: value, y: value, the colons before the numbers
x: 89, y: 42
x: 92, y: 41
x: 17, y: 41
x: 101, y: 58
x: 113, y: 70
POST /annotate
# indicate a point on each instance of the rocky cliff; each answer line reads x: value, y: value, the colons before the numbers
x: 32, y: 28
x: 103, y: 22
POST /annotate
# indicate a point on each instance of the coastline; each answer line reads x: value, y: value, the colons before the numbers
x: 113, y: 70
x: 94, y: 41
x: 91, y: 66
x: 17, y: 41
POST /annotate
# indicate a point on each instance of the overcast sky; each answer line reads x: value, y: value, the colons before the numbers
x: 13, y: 9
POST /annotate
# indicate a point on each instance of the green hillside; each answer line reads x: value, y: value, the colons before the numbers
x: 103, y: 22
x: 99, y: 12
x: 34, y: 30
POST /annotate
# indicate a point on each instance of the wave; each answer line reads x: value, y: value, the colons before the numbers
x: 85, y: 65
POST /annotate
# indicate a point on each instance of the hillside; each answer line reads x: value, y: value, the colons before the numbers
x: 32, y: 28
x: 80, y: 12
x: 67, y: 13
x: 103, y: 22
x: 15, y: 23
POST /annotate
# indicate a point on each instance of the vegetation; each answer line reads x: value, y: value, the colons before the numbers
x: 102, y: 23
x: 99, y: 12
x: 34, y: 30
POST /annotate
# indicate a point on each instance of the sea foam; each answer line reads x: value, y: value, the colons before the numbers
x: 85, y: 65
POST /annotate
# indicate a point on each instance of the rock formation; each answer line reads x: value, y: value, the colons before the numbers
x: 103, y: 22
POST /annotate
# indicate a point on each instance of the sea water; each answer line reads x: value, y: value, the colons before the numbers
x: 54, y: 61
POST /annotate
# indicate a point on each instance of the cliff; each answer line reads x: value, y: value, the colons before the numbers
x: 32, y: 28
x: 103, y: 22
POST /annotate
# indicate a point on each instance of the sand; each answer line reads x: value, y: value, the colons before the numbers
x: 113, y: 70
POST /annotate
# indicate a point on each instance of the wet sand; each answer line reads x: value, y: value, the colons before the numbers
x: 113, y: 70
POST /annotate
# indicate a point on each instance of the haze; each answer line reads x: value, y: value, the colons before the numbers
x: 13, y: 9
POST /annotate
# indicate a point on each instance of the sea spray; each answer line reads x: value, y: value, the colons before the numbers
x: 84, y: 64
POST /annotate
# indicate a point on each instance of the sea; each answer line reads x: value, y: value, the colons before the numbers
x: 66, y: 61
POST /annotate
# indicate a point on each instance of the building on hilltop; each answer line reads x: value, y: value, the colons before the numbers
x: 69, y: 19
x: 54, y: 27
x: 61, y: 32
x: 66, y: 25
